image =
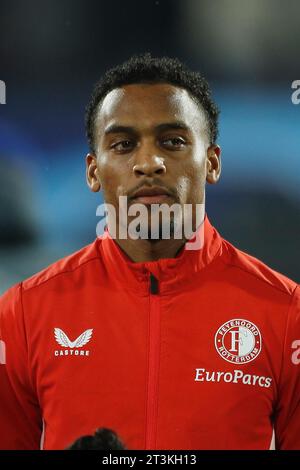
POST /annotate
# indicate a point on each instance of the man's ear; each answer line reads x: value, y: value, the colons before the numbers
x: 213, y: 164
x: 92, y: 176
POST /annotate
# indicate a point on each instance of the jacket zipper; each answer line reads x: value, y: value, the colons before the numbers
x: 153, y: 365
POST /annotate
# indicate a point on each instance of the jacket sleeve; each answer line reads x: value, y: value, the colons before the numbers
x: 287, y: 420
x: 20, y: 417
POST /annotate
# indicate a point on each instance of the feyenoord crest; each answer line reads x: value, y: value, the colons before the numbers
x: 238, y: 341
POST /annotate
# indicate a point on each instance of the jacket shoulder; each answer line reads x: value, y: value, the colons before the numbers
x: 256, y: 270
x: 67, y: 265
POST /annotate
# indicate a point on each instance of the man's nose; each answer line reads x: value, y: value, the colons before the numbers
x: 148, y: 163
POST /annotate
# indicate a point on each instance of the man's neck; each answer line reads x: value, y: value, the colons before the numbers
x: 141, y: 251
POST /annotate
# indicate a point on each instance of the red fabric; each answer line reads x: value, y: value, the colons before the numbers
x: 151, y: 370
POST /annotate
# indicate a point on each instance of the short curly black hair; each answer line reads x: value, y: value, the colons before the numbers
x: 147, y: 69
x: 103, y: 439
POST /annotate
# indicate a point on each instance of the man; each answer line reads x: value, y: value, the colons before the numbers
x: 174, y: 342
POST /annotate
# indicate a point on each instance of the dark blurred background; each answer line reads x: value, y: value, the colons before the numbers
x: 51, y: 54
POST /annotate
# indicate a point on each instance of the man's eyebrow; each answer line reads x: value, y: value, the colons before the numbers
x: 120, y: 129
x: 176, y: 125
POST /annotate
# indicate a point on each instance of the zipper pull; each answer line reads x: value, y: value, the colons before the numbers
x: 153, y: 285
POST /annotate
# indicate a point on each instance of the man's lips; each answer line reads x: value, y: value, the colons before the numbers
x: 154, y: 195
x: 157, y: 199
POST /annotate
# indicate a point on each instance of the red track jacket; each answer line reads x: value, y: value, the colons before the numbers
x: 196, y: 352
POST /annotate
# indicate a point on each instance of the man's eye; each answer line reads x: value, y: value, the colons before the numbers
x: 122, y: 146
x: 175, y: 142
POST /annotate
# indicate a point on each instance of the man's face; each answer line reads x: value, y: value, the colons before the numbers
x: 152, y: 138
